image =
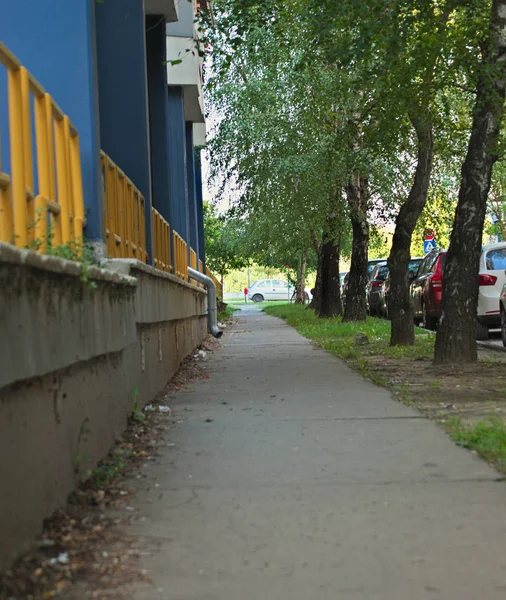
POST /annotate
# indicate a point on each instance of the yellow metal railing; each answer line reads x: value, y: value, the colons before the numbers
x: 193, y: 264
x: 161, y: 242
x: 219, y: 287
x: 54, y: 215
x: 180, y: 257
x: 125, y: 226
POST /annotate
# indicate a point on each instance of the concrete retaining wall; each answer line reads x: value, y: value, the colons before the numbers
x: 72, y: 357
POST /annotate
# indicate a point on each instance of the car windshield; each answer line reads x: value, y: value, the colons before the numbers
x: 496, y: 259
x: 382, y: 273
x: 372, y: 265
x: 413, y: 266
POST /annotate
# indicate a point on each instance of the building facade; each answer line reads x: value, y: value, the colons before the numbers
x: 127, y: 75
x: 101, y: 121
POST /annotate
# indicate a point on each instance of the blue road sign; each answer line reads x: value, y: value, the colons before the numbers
x: 429, y: 245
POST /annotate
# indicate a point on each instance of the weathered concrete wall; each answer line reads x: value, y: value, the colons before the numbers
x: 72, y: 358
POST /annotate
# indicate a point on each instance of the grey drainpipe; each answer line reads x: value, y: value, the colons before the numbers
x: 211, y: 301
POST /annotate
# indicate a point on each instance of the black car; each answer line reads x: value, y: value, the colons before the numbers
x: 370, y: 266
x: 413, y: 266
x: 374, y: 287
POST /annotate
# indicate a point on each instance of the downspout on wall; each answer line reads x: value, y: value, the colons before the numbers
x: 212, y: 310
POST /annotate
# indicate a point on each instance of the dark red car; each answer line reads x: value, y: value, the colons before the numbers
x: 427, y: 289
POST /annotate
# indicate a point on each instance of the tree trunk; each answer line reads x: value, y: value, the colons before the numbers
x: 317, y: 290
x: 300, y: 288
x: 455, y: 339
x: 356, y: 191
x: 330, y: 299
x: 400, y: 307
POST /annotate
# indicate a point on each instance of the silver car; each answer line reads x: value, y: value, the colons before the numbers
x: 272, y: 289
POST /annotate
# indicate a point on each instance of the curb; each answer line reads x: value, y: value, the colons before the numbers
x: 491, y: 346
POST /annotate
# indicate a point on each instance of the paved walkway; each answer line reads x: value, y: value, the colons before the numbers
x: 312, y: 483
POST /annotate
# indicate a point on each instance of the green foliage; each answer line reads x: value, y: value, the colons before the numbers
x: 224, y: 238
x: 488, y: 438
x: 136, y: 413
x: 78, y: 250
x: 228, y: 314
x: 306, y: 93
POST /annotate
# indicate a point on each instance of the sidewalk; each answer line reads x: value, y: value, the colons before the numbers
x: 292, y: 478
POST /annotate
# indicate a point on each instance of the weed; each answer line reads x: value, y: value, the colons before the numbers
x: 106, y: 472
x: 136, y: 414
x: 229, y: 311
x: 78, y: 250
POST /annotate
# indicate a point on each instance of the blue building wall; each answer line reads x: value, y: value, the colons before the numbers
x: 159, y: 117
x: 190, y: 179
x: 177, y: 162
x: 122, y: 84
x: 54, y: 40
x: 199, y: 205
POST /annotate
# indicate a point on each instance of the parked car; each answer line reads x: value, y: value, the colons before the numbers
x: 384, y: 293
x: 374, y: 287
x: 427, y: 287
x: 502, y: 310
x: 344, y: 287
x: 370, y: 266
x: 426, y: 290
x: 273, y: 289
x: 491, y: 281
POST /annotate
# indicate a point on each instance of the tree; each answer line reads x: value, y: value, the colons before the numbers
x: 277, y: 149
x: 357, y: 193
x: 224, y: 242
x: 455, y: 339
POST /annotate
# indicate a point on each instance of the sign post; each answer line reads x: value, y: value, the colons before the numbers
x: 429, y: 241
x: 245, y: 295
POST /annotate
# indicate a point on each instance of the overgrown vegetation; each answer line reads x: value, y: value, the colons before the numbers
x: 228, y: 313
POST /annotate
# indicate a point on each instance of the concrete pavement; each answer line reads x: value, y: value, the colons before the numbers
x: 292, y: 478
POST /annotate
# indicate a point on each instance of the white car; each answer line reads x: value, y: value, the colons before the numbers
x: 491, y: 280
x: 272, y: 289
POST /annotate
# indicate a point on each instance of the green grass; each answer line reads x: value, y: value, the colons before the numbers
x: 339, y: 338
x: 487, y: 438
x: 263, y: 304
x: 225, y: 316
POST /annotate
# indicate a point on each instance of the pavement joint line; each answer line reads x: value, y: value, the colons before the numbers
x: 320, y: 419
x: 336, y: 483
x: 405, y: 417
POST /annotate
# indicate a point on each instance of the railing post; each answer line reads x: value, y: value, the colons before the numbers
x: 18, y: 184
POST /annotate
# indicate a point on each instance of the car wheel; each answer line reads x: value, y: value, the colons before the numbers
x: 428, y: 322
x: 503, y: 326
x: 482, y: 331
x: 258, y: 298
